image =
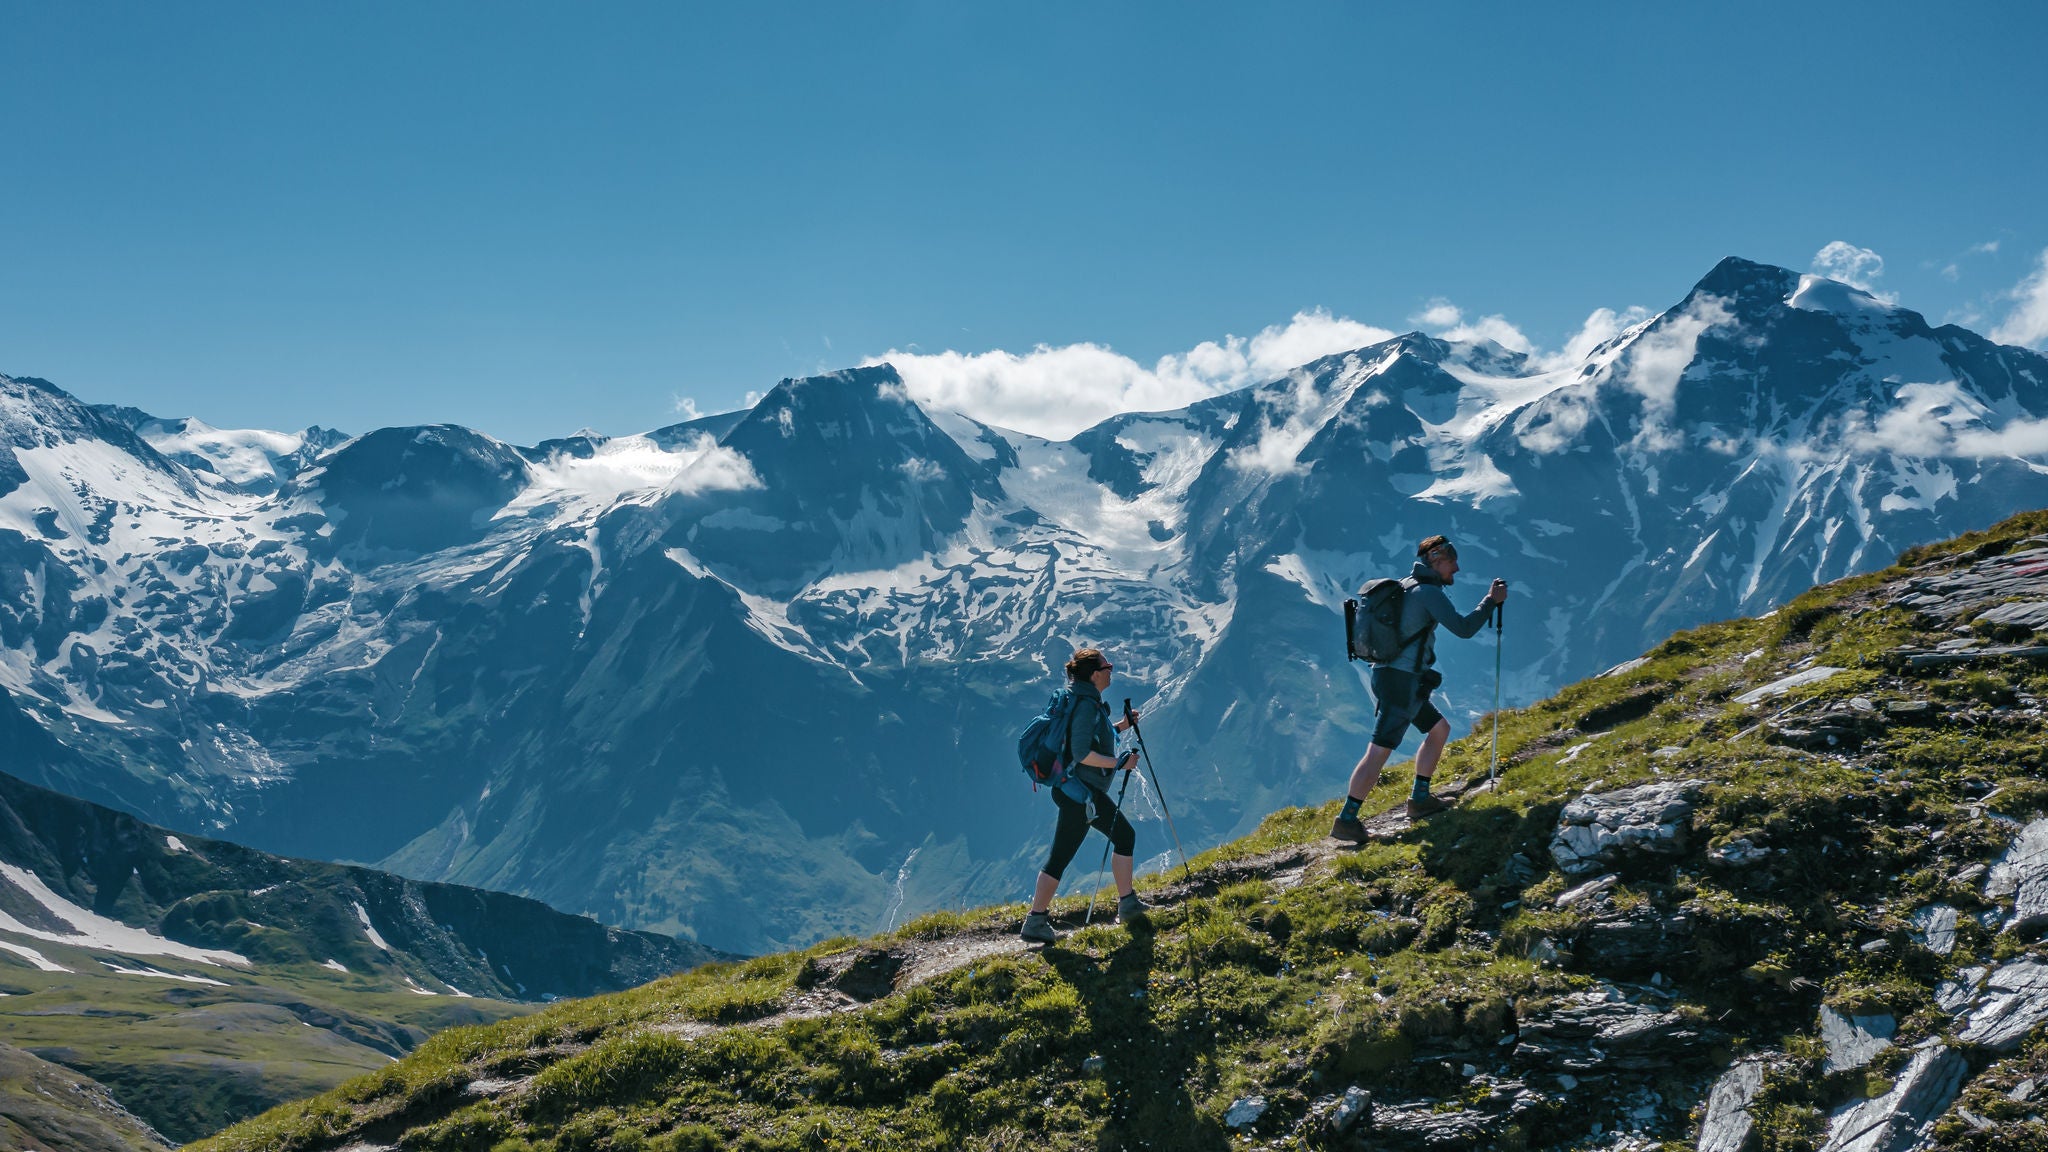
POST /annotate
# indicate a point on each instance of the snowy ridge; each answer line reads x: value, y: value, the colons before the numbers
x: 470, y: 616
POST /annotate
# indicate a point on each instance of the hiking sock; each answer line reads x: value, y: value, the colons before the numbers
x: 1350, y: 812
x: 1421, y: 788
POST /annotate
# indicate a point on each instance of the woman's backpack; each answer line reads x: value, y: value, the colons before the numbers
x: 1042, y: 749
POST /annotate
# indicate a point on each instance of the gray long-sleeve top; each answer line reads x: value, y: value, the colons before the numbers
x: 1426, y: 606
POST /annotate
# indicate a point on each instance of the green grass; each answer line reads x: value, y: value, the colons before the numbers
x: 1381, y: 957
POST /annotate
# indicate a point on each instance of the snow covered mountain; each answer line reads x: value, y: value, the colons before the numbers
x: 752, y: 678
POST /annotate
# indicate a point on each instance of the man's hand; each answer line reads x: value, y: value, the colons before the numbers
x: 1497, y: 594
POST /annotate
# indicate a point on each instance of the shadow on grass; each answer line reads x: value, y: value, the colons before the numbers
x: 1149, y: 1047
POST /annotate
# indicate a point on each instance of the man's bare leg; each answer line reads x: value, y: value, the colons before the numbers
x: 1366, y: 776
x: 1432, y: 749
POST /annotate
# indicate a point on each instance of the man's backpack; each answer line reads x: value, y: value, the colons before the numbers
x: 1372, y: 623
x: 1042, y: 749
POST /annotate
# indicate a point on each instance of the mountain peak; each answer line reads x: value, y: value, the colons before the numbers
x: 1748, y: 284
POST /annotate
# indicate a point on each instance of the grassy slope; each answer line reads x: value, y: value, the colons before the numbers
x: 192, y: 1058
x: 1375, y: 957
x: 43, y: 1105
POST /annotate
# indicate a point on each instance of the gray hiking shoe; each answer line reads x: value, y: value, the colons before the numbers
x: 1129, y: 908
x: 1426, y: 806
x: 1038, y: 929
x: 1352, y: 830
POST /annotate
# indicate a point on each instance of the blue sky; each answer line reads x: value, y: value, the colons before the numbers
x: 533, y: 218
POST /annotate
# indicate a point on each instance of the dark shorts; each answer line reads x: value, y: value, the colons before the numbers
x: 1400, y: 699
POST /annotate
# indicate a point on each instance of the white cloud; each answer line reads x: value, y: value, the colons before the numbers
x: 1494, y: 328
x: 711, y: 467
x: 1602, y: 325
x: 1279, y: 446
x: 1438, y: 313
x: 1658, y: 360
x: 1447, y: 321
x: 1941, y: 419
x: 1056, y: 392
x: 685, y: 406
x: 1857, y: 267
x: 2027, y: 323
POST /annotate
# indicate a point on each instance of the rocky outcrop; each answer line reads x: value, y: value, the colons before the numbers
x: 1898, y: 1120
x: 1728, y: 1126
x: 1601, y: 829
x: 1934, y: 928
x: 2022, y: 875
x: 1604, y: 1030
x: 1854, y: 1041
x: 2012, y: 1001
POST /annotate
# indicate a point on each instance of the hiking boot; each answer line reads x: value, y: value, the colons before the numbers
x: 1129, y: 908
x: 1038, y: 929
x: 1427, y: 805
x: 1352, y: 830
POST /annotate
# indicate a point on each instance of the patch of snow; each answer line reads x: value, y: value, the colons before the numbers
x: 1820, y: 294
x: 152, y: 972
x: 92, y: 930
x: 370, y: 929
x: 1481, y: 481
x: 43, y: 963
x: 334, y: 966
x: 175, y: 844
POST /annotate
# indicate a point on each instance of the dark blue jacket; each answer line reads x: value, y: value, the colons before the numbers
x: 1089, y: 730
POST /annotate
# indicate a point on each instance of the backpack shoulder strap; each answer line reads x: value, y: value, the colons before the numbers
x: 1408, y: 585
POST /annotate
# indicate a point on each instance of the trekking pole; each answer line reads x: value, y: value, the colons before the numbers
x: 1156, y: 791
x: 1493, y: 770
x: 1099, y: 868
x: 1194, y: 965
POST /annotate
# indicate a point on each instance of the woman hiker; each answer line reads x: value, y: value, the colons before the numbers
x: 1083, y: 798
x: 1401, y: 686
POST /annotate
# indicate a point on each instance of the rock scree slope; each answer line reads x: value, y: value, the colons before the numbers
x: 1776, y: 884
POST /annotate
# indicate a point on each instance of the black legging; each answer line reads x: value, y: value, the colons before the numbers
x: 1074, y: 825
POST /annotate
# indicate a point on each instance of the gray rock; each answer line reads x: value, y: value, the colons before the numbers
x: 1353, y: 1111
x: 1854, y: 1041
x: 1244, y: 1112
x: 1894, y: 1121
x: 1935, y: 927
x: 1598, y: 830
x: 2022, y: 873
x: 1634, y: 943
x: 1738, y: 853
x: 1093, y: 1065
x: 2024, y: 613
x: 1729, y: 1126
x: 1779, y: 687
x: 1421, y: 1126
x: 1952, y: 996
x: 2013, y: 1000
x: 1603, y: 1031
x: 1588, y: 890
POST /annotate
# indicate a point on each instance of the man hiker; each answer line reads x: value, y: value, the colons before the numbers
x: 1401, y: 685
x: 1083, y: 797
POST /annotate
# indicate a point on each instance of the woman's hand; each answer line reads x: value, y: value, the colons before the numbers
x: 1130, y: 718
